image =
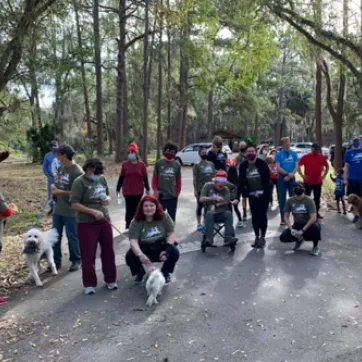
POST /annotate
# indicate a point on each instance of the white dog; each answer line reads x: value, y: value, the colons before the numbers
x: 154, y: 285
x: 36, y: 246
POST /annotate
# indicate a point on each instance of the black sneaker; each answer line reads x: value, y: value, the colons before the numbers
x: 74, y: 266
x: 167, y: 278
x: 262, y: 243
x: 256, y: 243
x: 140, y: 276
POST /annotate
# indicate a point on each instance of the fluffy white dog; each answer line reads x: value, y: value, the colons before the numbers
x: 36, y: 246
x: 155, y: 283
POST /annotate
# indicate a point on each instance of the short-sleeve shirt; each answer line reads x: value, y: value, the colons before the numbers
x: 65, y: 179
x: 301, y: 209
x: 253, y: 179
x: 167, y: 173
x: 203, y: 172
x: 354, y: 159
x: 287, y: 160
x: 150, y: 232
x: 91, y: 194
x: 313, y: 168
x: 209, y: 191
x: 340, y: 186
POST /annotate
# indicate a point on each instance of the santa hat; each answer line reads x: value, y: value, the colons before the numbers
x: 133, y: 147
x: 4, y: 155
x: 221, y: 176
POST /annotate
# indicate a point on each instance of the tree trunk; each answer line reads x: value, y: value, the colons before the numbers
x: 318, y: 105
x: 281, y: 100
x: 83, y: 73
x: 98, y: 68
x: 145, y: 84
x: 121, y: 83
x: 256, y: 128
x: 210, y: 115
x: 169, y: 69
x: 160, y: 78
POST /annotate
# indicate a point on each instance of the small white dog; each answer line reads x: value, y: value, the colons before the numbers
x: 36, y: 246
x: 155, y: 283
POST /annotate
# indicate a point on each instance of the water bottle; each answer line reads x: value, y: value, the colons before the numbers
x: 119, y: 199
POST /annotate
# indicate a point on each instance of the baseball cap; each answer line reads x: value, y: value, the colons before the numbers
x: 299, y: 185
x: 54, y: 144
x: 316, y: 146
x: 66, y: 150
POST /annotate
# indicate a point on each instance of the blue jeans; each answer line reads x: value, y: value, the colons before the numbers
x: 225, y: 217
x: 283, y: 187
x: 70, y: 224
x: 50, y: 196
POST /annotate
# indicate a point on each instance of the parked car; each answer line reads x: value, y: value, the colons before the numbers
x: 302, y: 148
x: 325, y: 152
x: 190, y: 154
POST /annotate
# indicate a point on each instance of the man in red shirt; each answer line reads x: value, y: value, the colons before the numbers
x: 314, y: 165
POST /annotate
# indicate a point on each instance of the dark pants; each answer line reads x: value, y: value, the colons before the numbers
x: 153, y: 251
x: 237, y: 212
x: 225, y: 217
x: 131, y: 207
x: 283, y: 187
x: 170, y: 205
x: 199, y: 205
x: 70, y: 224
x: 259, y: 214
x: 354, y: 187
x: 89, y: 235
x: 273, y: 183
x: 317, y: 191
x: 312, y: 234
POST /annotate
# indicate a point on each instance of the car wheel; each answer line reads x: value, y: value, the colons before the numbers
x: 178, y: 159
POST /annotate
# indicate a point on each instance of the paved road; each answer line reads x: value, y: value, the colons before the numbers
x: 267, y: 306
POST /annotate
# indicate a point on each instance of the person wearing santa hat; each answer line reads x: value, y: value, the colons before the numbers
x: 133, y: 180
x: 216, y: 196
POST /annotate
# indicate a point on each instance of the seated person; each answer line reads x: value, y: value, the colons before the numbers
x: 152, y: 239
x: 216, y: 196
x: 305, y: 225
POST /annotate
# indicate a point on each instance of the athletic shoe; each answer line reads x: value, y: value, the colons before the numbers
x: 89, y: 290
x: 319, y: 216
x: 140, y: 276
x: 340, y: 212
x: 200, y: 227
x: 167, y: 278
x: 240, y: 224
x: 298, y: 244
x: 315, y: 251
x: 344, y: 212
x: 245, y: 219
x: 126, y: 231
x: 74, y: 266
x: 112, y: 286
x: 282, y: 223
x: 256, y: 243
x: 262, y: 243
x: 355, y: 219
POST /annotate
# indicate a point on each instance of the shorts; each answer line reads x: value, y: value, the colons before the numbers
x: 339, y: 197
x: 354, y: 187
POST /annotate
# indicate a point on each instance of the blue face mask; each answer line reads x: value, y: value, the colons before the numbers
x: 132, y: 156
x: 96, y: 178
x: 355, y: 144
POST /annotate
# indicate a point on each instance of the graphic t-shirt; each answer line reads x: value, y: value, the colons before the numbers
x: 273, y: 171
x: 65, y: 179
x: 134, y: 175
x: 301, y: 209
x: 354, y: 158
x: 150, y: 232
x: 340, y: 186
x: 287, y: 160
x: 203, y: 172
x: 218, y: 159
x: 209, y: 191
x: 167, y: 173
x: 313, y: 168
x: 253, y: 179
x: 91, y: 194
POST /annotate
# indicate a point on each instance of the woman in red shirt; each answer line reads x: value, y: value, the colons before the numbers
x: 133, y: 180
x: 273, y: 175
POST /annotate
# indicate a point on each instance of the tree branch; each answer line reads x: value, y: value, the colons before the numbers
x: 136, y: 39
x: 325, y: 71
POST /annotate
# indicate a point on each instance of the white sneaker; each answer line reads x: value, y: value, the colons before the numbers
x: 112, y: 286
x: 126, y: 231
x: 89, y: 290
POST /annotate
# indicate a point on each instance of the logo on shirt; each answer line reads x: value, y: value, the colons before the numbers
x: 357, y: 157
x: 155, y: 231
x: 167, y: 171
x: 300, y: 209
x: 98, y: 193
x: 253, y: 173
x: 207, y: 169
x: 64, y: 179
x: 220, y: 157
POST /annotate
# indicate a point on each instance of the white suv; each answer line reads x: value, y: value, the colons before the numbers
x: 190, y: 154
x: 302, y: 148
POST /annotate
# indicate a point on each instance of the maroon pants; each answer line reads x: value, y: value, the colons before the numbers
x: 89, y: 235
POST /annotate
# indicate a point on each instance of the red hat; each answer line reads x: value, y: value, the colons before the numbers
x: 133, y: 147
x: 221, y: 174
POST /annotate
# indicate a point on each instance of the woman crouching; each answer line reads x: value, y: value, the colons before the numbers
x: 152, y: 239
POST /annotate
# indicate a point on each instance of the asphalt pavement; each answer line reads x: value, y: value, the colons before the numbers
x: 269, y: 305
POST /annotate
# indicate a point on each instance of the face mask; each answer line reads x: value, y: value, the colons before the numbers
x: 96, y: 178
x: 132, y: 156
x: 169, y: 155
x: 242, y: 150
x: 251, y: 156
x: 299, y: 192
x: 203, y: 157
x: 355, y: 144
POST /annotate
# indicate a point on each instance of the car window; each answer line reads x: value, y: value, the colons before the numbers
x: 197, y: 148
x: 189, y: 149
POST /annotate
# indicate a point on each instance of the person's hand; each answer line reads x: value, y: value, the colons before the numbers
x: 13, y: 207
x: 291, y: 175
x: 219, y: 199
x: 196, y: 194
x: 147, y: 192
x: 286, y: 178
x: 98, y: 214
x: 212, y: 209
x: 107, y: 201
x: 234, y: 202
x: 163, y: 256
x: 145, y: 260
x: 345, y: 181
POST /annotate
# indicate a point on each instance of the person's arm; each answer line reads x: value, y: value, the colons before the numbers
x: 195, y: 174
x: 57, y: 192
x: 120, y: 179
x: 155, y: 179
x: 346, y: 172
x: 299, y: 168
x: 46, y: 166
x: 326, y: 169
x: 178, y: 180
x: 287, y: 220
x: 295, y: 156
x: 205, y: 199
x: 145, y: 178
x: 311, y: 221
x: 241, y: 183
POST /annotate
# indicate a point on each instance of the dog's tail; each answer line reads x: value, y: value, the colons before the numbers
x: 151, y: 299
x: 51, y: 237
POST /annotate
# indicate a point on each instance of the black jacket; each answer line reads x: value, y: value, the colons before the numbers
x: 264, y: 172
x: 218, y: 159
